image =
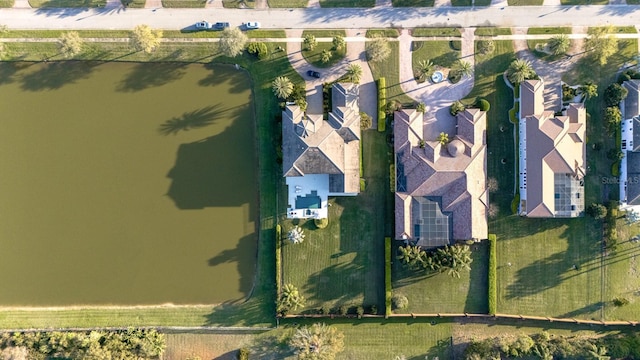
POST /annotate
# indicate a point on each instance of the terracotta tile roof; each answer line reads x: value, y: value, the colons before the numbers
x: 459, y: 182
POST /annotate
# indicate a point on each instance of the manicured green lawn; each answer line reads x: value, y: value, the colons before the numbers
x: 347, y: 3
x: 622, y: 277
x: 525, y: 2
x: 288, y: 3
x: 441, y: 293
x: 67, y: 3
x: 382, y: 32
x: 314, y: 56
x: 184, y: 3
x: 6, y: 3
x: 389, y: 69
x: 343, y: 264
x: 584, y: 2
x: 133, y: 3
x: 549, y: 267
x: 461, y: 2
x: 413, y: 3
x: 491, y: 31
x: 417, y: 32
x: 549, y: 30
x: 440, y: 53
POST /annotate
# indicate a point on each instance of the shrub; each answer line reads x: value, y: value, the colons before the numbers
x: 568, y: 93
x: 360, y: 311
x: 382, y: 100
x: 486, y: 47
x: 493, y: 266
x: 456, y: 107
x: 598, y: 211
x: 374, y: 309
x: 620, y: 301
x: 321, y: 223
x: 343, y: 310
x: 243, y: 354
x: 258, y: 49
x: 515, y: 203
x: 615, y: 169
x: 399, y: 301
x: 483, y: 104
x: 365, y: 120
x: 387, y: 276
x: 614, y: 94
x: 392, y: 178
x: 278, y: 258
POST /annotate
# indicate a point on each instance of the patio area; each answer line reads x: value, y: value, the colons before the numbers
x: 308, y: 196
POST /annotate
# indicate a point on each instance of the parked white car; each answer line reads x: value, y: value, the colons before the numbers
x: 251, y: 25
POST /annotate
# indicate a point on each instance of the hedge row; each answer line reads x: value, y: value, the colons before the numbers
x: 278, y: 259
x: 382, y: 101
x: 387, y: 276
x: 515, y: 204
x: 392, y: 178
x: 361, y: 159
x: 493, y: 266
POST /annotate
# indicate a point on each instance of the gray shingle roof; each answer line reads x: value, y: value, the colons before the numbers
x: 631, y: 108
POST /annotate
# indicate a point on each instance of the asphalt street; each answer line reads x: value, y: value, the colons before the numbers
x: 346, y: 18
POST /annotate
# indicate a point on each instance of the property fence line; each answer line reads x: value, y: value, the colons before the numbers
x: 468, y: 315
x: 165, y: 329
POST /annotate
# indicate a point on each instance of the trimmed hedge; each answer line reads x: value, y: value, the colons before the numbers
x: 392, y: 178
x: 493, y: 266
x: 515, y: 203
x: 513, y: 113
x: 278, y: 258
x: 382, y: 101
x: 361, y: 157
x: 387, y: 276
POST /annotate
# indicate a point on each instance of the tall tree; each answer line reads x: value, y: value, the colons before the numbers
x: 339, y: 42
x: 354, y: 72
x: 519, y: 71
x: 143, y: 38
x: 290, y: 299
x: 588, y: 90
x: 378, y: 49
x: 310, y: 42
x: 615, y: 93
x: 559, y: 44
x: 612, y: 118
x: 425, y: 68
x: 282, y: 87
x: 601, y: 43
x: 317, y: 342
x: 232, y: 42
x: 70, y: 44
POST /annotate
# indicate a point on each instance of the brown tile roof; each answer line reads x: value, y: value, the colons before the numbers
x: 311, y: 145
x: 554, y: 145
x: 459, y: 182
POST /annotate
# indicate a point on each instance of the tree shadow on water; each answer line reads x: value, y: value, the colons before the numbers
x: 146, y: 75
x: 238, y: 80
x: 191, y: 120
x: 218, y: 171
x: 54, y: 75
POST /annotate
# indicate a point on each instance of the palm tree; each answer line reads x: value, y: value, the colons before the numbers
x: 326, y: 55
x: 588, y: 90
x: 464, y: 67
x: 310, y: 42
x: 598, y: 352
x: 282, y: 87
x: 443, y: 138
x: 290, y: 299
x: 411, y: 256
x: 296, y: 235
x: 317, y: 342
x: 338, y: 42
x: 519, y: 71
x: 425, y: 67
x: 354, y: 72
x: 454, y: 259
x: 559, y: 44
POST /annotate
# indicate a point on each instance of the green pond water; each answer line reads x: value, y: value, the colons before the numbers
x: 126, y: 184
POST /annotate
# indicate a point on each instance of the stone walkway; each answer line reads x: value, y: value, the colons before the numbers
x: 436, y: 97
x: 355, y: 54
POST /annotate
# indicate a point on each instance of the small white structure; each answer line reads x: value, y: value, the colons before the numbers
x: 296, y: 235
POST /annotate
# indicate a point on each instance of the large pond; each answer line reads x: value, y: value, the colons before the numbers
x: 125, y: 184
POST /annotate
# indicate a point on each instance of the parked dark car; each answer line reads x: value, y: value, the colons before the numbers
x: 221, y: 25
x: 314, y: 74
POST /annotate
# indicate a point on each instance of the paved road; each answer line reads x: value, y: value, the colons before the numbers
x: 510, y: 16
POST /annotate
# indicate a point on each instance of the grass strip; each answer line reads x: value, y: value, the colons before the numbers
x: 288, y: 3
x: 347, y: 3
x: 387, y: 276
x: 184, y: 3
x: 382, y: 101
x: 418, y: 32
x: 492, y: 31
x: 66, y: 3
x: 493, y: 266
x: 392, y: 33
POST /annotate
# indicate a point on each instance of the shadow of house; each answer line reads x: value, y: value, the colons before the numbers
x: 244, y: 259
x: 213, y: 172
x: 54, y: 75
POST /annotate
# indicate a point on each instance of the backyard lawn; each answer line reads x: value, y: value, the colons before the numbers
x: 441, y: 293
x: 343, y: 264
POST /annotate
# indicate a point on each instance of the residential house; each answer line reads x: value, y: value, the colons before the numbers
x: 441, y: 193
x: 321, y: 158
x: 630, y: 146
x: 552, y: 156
